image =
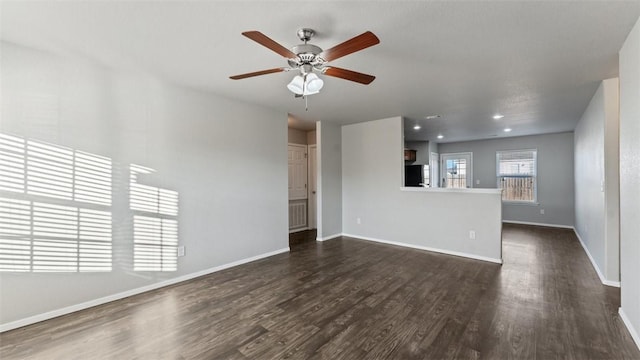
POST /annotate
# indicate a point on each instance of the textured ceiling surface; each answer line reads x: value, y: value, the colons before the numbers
x: 537, y: 63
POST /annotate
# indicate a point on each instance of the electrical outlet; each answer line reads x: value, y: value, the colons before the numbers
x: 472, y: 235
x: 542, y: 211
x: 358, y: 221
x: 477, y: 182
x: 180, y: 250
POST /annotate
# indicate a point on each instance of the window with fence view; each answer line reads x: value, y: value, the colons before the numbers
x: 516, y: 172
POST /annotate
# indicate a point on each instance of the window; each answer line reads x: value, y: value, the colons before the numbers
x: 516, y: 172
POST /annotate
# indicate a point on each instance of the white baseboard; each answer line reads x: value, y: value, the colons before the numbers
x: 441, y: 251
x: 103, y: 300
x: 537, y: 224
x: 632, y: 330
x: 291, y: 231
x: 328, y: 237
x: 603, y: 280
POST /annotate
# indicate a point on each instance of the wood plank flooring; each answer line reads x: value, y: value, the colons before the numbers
x: 303, y: 236
x: 352, y: 299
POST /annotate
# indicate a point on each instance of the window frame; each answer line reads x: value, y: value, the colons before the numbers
x: 499, y: 176
x: 469, y: 169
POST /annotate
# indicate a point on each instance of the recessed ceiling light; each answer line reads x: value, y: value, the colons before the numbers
x: 429, y: 117
x: 498, y: 116
x: 507, y: 129
x: 440, y: 136
x: 417, y: 127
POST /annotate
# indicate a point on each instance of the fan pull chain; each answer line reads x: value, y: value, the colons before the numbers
x: 304, y: 89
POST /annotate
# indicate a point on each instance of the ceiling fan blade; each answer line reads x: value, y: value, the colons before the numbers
x: 350, y: 46
x: 349, y: 75
x: 257, y: 73
x: 267, y: 42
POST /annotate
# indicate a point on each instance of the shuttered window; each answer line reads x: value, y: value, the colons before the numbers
x: 516, y: 173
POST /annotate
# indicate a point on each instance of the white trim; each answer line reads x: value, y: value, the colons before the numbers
x: 328, y: 237
x: 319, y: 191
x: 426, y: 248
x: 603, y: 280
x: 538, y: 224
x: 103, y: 300
x: 291, y: 231
x: 632, y: 330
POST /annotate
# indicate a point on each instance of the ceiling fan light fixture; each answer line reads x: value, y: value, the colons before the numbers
x: 309, y: 84
x: 296, y: 85
x: 313, y: 84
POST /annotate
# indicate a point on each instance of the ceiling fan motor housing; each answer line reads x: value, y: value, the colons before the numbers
x: 307, y: 54
x: 303, y: 49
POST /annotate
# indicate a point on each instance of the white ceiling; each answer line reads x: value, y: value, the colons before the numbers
x: 538, y: 63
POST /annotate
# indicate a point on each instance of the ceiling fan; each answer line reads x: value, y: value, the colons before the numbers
x: 309, y: 59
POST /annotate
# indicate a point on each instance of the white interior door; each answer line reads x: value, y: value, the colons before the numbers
x: 297, y: 171
x: 456, y: 170
x: 312, y: 187
x: 434, y: 176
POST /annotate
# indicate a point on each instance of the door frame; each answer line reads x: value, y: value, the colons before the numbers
x: 312, y: 173
x: 434, y: 170
x: 443, y: 167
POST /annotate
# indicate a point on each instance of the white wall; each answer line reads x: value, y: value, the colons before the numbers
x: 295, y: 136
x: 554, y: 174
x: 612, y: 178
x: 227, y: 160
x: 436, y: 219
x: 596, y: 181
x: 630, y: 181
x: 311, y: 137
x: 329, y: 180
x: 433, y: 147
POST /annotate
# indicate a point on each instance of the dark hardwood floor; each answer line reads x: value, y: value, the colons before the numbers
x: 352, y: 299
x: 303, y: 236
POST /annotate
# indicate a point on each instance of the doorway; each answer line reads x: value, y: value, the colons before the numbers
x: 302, y: 163
x: 456, y: 170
